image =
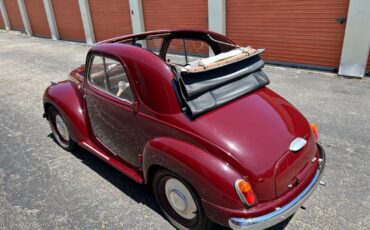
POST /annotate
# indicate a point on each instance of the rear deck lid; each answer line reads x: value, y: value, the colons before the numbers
x: 256, y: 131
x: 295, y: 166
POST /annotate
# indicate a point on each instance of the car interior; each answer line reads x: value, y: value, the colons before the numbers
x: 110, y: 76
x: 210, y: 71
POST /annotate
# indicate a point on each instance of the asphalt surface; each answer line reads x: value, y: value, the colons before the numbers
x: 45, y: 187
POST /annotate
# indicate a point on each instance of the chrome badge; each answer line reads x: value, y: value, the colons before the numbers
x: 297, y: 144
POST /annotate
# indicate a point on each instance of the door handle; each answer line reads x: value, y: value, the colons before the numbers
x: 135, y: 106
x: 341, y: 20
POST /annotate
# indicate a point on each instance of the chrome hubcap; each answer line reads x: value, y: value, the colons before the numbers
x: 180, y: 198
x: 61, y: 127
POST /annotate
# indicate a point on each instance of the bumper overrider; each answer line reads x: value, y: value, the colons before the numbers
x: 286, y: 211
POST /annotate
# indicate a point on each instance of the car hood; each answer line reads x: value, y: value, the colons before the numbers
x: 255, y: 132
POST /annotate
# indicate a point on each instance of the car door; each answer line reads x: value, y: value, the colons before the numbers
x: 109, y: 102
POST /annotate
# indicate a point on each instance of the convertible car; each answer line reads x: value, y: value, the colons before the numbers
x: 190, y: 113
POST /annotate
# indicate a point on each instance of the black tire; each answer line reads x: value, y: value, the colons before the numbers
x: 66, y: 143
x: 199, y: 222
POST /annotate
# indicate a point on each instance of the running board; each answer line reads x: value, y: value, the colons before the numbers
x: 91, y: 147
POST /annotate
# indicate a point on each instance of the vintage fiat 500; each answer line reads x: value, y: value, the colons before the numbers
x: 189, y: 113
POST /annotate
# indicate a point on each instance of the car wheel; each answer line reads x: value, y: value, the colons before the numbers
x: 178, y: 201
x: 60, y: 129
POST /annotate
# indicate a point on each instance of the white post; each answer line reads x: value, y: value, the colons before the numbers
x: 86, y: 21
x: 51, y: 20
x: 24, y: 16
x: 5, y: 15
x: 217, y: 16
x: 137, y: 19
x: 356, y: 43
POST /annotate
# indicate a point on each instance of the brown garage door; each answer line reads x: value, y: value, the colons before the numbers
x: 303, y: 32
x: 111, y: 18
x: 173, y: 14
x: 2, y: 26
x: 14, y: 15
x: 68, y: 18
x: 37, y: 16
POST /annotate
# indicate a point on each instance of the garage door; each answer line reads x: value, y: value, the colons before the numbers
x: 14, y: 15
x: 302, y: 32
x: 173, y: 14
x: 37, y: 16
x: 68, y: 19
x: 111, y: 18
x: 2, y: 26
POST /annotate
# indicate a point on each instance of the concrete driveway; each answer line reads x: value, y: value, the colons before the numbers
x: 44, y: 187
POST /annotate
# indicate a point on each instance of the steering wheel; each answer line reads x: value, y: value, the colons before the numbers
x: 122, y: 86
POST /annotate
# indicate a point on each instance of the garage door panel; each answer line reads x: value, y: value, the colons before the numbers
x: 303, y: 61
x: 294, y: 50
x: 172, y: 14
x: 312, y: 4
x: 296, y: 36
x: 37, y: 16
x: 303, y: 32
x: 110, y: 18
x: 2, y: 25
x: 14, y: 15
x: 68, y: 19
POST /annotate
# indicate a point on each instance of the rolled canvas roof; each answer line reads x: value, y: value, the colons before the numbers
x: 206, y: 90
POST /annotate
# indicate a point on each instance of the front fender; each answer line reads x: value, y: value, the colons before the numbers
x: 212, y: 178
x: 66, y: 97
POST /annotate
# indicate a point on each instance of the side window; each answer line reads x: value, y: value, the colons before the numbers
x: 183, y: 51
x: 118, y: 83
x: 97, y: 72
x: 110, y: 76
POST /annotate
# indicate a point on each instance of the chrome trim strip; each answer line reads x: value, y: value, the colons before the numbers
x: 284, y: 212
x: 94, y: 150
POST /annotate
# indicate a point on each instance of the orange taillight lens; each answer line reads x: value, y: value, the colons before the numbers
x: 245, y: 192
x: 314, y: 130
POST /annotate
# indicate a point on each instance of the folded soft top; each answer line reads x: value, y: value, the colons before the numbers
x: 206, y: 90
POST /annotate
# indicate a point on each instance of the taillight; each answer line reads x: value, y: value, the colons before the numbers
x: 314, y: 130
x: 245, y: 192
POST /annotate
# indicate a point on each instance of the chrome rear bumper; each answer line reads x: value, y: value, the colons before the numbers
x: 286, y: 211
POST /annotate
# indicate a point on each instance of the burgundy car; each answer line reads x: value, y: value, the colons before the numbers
x: 189, y: 112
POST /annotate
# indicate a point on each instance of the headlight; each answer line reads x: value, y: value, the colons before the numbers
x: 245, y: 192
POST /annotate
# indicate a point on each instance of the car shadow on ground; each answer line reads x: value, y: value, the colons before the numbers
x: 138, y: 192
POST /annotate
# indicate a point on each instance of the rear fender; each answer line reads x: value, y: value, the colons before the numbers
x: 212, y: 178
x: 66, y: 97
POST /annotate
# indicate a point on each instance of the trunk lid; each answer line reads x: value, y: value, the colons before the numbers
x: 295, y: 167
x: 256, y: 131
